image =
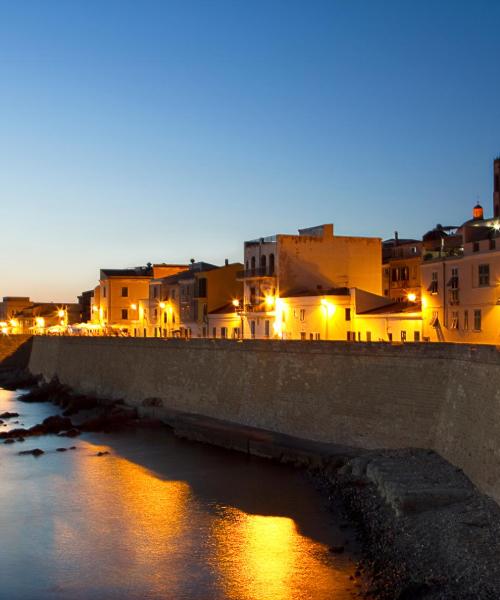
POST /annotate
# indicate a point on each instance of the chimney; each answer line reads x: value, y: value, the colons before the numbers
x: 226, y: 261
x: 496, y: 187
x: 396, y: 238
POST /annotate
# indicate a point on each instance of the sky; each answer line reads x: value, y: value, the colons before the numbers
x: 160, y: 131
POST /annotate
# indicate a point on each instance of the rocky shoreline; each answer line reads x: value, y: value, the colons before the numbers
x: 426, y: 532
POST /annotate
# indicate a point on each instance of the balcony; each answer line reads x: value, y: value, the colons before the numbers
x: 256, y: 273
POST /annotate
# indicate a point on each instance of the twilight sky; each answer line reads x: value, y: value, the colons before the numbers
x: 160, y: 131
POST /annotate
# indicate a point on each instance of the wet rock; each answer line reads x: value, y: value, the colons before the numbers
x: 52, y: 391
x: 34, y: 452
x: 9, y: 441
x: 72, y: 447
x: 102, y: 453
x: 20, y: 439
x: 78, y: 403
x: 8, y: 415
x: 17, y: 379
x: 61, y: 449
x: 71, y: 433
x: 54, y: 424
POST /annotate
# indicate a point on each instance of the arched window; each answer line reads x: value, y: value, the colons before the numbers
x: 271, y: 264
x: 252, y: 263
x: 263, y: 262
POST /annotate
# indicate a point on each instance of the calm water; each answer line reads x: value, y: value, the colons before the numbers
x: 159, y: 518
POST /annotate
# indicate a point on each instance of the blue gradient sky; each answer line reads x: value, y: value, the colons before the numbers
x: 160, y: 131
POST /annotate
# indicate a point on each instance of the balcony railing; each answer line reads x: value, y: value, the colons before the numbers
x: 257, y: 272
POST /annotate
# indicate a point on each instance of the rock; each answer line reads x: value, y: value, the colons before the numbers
x: 78, y: 403
x: 8, y: 415
x: 53, y: 424
x: 336, y: 549
x: 17, y: 379
x: 34, y: 452
x: 102, y: 453
x: 9, y: 441
x: 71, y: 433
x: 61, y: 449
x: 52, y: 391
x: 20, y: 439
x: 72, y: 448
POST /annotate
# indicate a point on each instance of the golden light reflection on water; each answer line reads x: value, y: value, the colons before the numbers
x: 129, y: 513
x: 265, y: 557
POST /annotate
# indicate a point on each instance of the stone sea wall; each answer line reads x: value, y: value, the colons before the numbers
x: 443, y: 397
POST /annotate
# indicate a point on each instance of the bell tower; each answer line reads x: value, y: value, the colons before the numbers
x: 496, y: 187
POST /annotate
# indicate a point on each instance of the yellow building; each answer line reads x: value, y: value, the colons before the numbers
x: 115, y: 304
x: 460, y: 286
x: 401, y: 269
x: 314, y: 260
x: 338, y: 314
x: 180, y: 305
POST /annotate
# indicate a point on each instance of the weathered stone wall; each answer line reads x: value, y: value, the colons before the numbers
x: 437, y: 396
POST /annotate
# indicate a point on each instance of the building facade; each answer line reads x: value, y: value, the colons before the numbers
x: 315, y: 260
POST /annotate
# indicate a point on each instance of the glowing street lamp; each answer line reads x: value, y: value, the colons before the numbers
x: 412, y: 297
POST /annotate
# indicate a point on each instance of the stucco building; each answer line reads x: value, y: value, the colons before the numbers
x: 115, y: 304
x: 401, y: 268
x: 316, y: 260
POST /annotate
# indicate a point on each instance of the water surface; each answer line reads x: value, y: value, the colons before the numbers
x: 159, y: 518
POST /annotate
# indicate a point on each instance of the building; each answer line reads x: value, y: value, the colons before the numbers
x: 316, y: 260
x: 11, y: 305
x: 85, y: 301
x: 180, y: 305
x: 115, y: 303
x: 42, y: 318
x: 460, y: 294
x: 401, y: 269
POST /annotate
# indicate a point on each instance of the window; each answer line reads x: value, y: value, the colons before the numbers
x: 165, y: 317
x: 214, y: 332
x: 311, y: 336
x: 389, y: 336
x: 202, y: 287
x: 351, y: 336
x: 271, y: 264
x: 454, y: 297
x: 223, y: 332
x: 484, y: 275
x: 266, y: 328
x: 493, y: 244
x: 252, y: 296
x: 466, y: 319
x: 433, y: 288
x: 347, y: 314
x: 416, y: 336
x: 263, y: 263
x: 172, y: 294
x: 477, y: 320
x: 125, y: 314
x: 104, y: 292
x: 475, y: 247
x: 252, y: 262
x: 368, y: 336
x: 155, y: 291
x: 317, y: 336
x: 454, y: 320
x: 303, y: 335
x: 252, y: 329
x: 435, y: 319
x: 156, y: 313
x: 124, y: 292
x: 173, y: 318
x: 302, y: 314
x: 403, y: 336
x: 236, y: 333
